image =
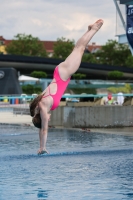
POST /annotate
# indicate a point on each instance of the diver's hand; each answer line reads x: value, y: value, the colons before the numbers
x: 42, y: 151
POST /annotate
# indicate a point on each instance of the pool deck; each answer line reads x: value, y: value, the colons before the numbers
x: 25, y: 120
x: 10, y: 118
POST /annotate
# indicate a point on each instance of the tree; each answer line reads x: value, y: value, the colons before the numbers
x: 38, y: 74
x: 113, y: 53
x: 129, y: 61
x: 63, y: 47
x: 26, y: 45
x: 91, y: 58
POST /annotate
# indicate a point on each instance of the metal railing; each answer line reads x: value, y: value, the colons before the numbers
x: 30, y: 97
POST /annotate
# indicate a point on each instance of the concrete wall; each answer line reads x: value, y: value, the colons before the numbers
x: 96, y: 116
x: 88, y: 116
x: 57, y: 116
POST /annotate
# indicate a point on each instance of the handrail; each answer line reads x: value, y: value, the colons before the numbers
x: 2, y: 97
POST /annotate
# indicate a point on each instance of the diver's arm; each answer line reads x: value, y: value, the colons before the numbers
x: 44, y: 129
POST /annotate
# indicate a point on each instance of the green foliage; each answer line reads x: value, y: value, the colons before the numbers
x: 63, y: 47
x: 79, y: 76
x: 115, y: 74
x: 129, y: 61
x: 26, y: 45
x: 126, y: 89
x: 31, y: 89
x: 39, y: 74
x: 84, y: 90
x: 91, y: 58
x: 113, y: 53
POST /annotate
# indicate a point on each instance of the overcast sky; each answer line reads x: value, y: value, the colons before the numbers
x: 52, y: 19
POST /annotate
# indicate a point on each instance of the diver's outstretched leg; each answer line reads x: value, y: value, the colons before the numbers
x: 72, y: 62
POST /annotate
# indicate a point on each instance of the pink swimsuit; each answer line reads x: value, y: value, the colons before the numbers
x: 61, y: 86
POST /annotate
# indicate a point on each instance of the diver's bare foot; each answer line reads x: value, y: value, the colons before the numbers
x: 96, y: 26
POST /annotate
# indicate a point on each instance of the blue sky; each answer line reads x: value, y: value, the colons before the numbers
x: 52, y: 19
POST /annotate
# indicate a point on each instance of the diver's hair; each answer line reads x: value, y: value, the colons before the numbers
x: 37, y: 120
x: 34, y: 103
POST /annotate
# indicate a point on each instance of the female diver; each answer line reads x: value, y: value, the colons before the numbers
x: 50, y: 97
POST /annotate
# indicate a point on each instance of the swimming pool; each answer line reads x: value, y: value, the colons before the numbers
x: 80, y: 166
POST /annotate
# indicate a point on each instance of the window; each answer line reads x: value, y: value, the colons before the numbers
x: 1, y: 42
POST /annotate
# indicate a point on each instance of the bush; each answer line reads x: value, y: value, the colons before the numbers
x: 84, y: 90
x: 126, y: 89
x: 79, y: 76
x: 31, y: 89
x: 115, y: 75
x: 38, y: 74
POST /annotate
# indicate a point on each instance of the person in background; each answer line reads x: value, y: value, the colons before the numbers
x: 51, y: 96
x: 109, y: 100
x: 120, y: 98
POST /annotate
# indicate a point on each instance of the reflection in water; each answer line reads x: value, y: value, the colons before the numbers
x: 42, y: 194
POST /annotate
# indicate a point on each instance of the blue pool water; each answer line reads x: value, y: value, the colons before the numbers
x: 80, y: 166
